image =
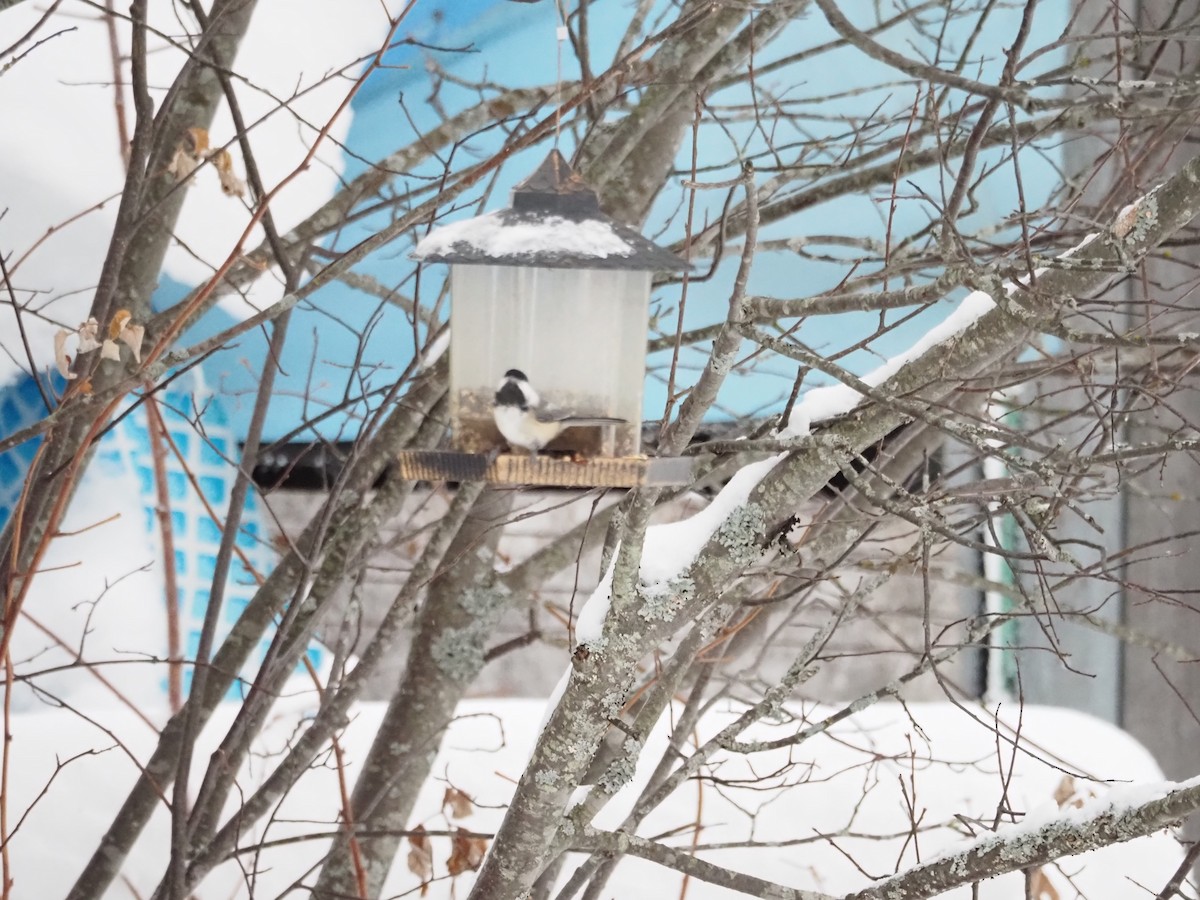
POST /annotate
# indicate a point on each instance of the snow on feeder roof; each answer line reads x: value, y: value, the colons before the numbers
x: 555, y: 222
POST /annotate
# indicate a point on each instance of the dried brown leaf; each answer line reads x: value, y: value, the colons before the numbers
x: 195, y: 141
x: 466, y: 852
x: 222, y: 159
x: 230, y: 183
x: 189, y: 153
x: 182, y: 165
x: 119, y: 320
x: 132, y: 336
x: 459, y: 803
x: 1040, y: 886
x: 110, y: 350
x: 1065, y: 791
x: 89, y: 333
x: 420, y: 856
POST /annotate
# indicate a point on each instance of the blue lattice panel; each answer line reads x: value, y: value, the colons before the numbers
x: 201, y: 431
x: 20, y: 406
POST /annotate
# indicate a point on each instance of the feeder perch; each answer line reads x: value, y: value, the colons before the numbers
x: 557, y: 289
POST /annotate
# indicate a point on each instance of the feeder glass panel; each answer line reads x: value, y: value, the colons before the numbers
x: 578, y: 334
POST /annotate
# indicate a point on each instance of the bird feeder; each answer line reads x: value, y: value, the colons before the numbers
x: 553, y: 287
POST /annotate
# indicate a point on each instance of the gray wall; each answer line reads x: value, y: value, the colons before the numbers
x: 880, y: 644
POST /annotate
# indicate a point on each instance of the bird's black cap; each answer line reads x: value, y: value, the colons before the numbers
x: 516, y: 373
x: 511, y: 395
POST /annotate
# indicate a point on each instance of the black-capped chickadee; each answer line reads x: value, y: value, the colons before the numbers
x: 523, y: 424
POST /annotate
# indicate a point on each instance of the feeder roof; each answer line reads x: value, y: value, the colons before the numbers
x: 555, y: 222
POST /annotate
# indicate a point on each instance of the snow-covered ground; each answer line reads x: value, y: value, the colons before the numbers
x: 845, y: 794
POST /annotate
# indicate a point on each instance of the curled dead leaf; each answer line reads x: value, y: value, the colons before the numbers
x: 119, y: 320
x: 195, y: 141
x: 61, y: 360
x: 189, y: 153
x: 89, y: 333
x: 459, y: 803
x: 1065, y: 790
x: 132, y: 336
x: 122, y: 329
x: 182, y: 165
x: 420, y: 854
x: 466, y: 852
x: 230, y: 183
x: 192, y: 150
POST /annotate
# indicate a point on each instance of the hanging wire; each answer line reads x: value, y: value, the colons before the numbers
x: 561, y: 34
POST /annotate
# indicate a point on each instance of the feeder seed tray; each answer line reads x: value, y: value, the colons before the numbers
x: 547, y: 471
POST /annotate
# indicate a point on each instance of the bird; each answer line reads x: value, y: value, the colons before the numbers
x: 517, y: 412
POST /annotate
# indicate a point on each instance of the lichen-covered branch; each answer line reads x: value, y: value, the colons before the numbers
x: 601, y: 676
x: 445, y: 655
x: 1099, y: 824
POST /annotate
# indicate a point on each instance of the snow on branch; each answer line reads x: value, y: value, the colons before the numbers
x: 823, y: 403
x: 1121, y: 815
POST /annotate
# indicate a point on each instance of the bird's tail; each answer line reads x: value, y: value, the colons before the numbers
x: 592, y: 420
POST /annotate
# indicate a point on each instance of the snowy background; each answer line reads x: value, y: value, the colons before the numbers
x: 853, y: 792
